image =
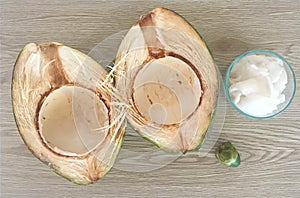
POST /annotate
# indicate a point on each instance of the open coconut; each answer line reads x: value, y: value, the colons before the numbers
x: 167, y: 75
x: 62, y: 106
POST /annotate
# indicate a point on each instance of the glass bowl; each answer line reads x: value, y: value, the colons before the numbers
x: 231, y: 77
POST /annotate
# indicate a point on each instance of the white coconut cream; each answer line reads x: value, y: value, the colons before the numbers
x: 256, y: 84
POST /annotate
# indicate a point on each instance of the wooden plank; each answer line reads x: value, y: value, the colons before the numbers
x: 269, y: 149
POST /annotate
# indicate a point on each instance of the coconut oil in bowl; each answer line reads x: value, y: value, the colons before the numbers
x: 260, y: 84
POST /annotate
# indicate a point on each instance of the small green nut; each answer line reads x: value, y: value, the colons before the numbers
x: 227, y: 155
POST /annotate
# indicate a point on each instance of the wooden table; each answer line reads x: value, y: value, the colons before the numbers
x: 269, y: 149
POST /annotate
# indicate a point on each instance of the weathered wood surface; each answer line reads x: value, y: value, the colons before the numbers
x: 270, y: 150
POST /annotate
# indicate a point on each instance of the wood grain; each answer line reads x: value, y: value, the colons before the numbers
x: 269, y: 149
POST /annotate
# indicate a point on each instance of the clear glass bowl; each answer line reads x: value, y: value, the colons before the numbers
x: 289, y: 91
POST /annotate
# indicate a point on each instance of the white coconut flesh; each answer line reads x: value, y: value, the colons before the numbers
x: 73, y: 120
x: 166, y: 91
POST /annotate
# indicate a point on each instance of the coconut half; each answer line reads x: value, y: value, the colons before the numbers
x: 62, y: 106
x: 167, y: 75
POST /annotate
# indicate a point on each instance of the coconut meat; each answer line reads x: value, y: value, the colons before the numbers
x: 73, y: 120
x: 166, y: 91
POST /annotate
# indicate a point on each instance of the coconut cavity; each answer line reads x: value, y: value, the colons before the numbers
x: 166, y: 91
x: 73, y: 120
